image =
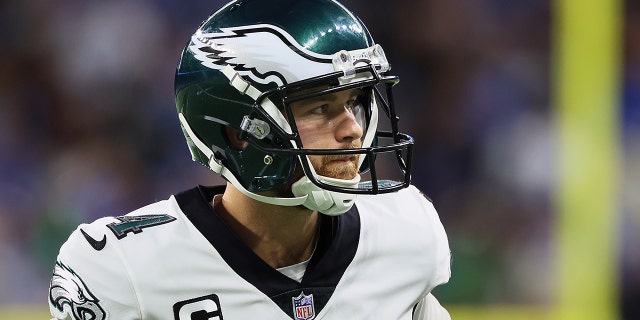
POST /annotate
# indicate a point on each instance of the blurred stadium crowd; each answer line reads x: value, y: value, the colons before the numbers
x: 88, y: 128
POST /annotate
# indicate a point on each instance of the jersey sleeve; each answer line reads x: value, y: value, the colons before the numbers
x: 430, y: 309
x: 442, y: 253
x: 90, y: 280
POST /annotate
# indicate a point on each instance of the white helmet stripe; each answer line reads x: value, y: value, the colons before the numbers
x: 243, y: 86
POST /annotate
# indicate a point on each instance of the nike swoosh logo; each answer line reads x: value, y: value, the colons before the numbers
x: 98, y: 245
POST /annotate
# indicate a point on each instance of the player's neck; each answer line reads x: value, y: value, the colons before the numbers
x: 281, y: 236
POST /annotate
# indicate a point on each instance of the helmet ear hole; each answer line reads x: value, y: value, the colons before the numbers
x: 233, y: 136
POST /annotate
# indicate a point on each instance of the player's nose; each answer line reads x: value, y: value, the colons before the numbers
x: 348, y: 128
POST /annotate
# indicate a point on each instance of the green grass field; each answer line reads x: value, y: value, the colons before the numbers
x: 24, y: 313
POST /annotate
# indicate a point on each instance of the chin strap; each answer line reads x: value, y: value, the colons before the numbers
x: 305, y: 192
x: 328, y: 202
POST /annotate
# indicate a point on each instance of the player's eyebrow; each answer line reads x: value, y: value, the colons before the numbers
x: 332, y: 97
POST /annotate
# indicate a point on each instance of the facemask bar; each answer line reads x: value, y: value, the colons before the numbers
x: 402, y: 144
x: 376, y: 185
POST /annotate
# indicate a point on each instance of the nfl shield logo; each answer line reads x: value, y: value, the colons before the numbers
x: 303, y: 307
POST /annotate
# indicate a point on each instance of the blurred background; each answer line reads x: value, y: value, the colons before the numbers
x: 88, y: 128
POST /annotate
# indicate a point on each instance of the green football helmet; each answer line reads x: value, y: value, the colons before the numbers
x: 243, y: 67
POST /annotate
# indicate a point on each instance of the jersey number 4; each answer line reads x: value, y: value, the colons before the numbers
x: 135, y: 224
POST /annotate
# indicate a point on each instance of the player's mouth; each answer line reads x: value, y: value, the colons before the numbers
x: 344, y: 159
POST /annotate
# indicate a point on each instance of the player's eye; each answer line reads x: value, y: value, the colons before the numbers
x: 319, y: 110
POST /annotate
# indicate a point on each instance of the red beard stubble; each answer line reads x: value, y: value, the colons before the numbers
x: 325, y: 165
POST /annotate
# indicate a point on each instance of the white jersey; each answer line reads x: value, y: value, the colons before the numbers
x: 177, y: 259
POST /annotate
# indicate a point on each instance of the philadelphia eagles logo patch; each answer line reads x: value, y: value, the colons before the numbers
x: 70, y: 298
x: 263, y: 52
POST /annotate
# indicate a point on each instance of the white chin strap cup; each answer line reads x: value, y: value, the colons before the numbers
x: 327, y: 202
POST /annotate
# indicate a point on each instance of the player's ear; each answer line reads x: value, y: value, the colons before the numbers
x: 233, y: 136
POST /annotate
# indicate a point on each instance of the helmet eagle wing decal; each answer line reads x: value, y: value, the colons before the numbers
x: 264, y: 53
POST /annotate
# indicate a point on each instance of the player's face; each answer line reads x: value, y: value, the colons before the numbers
x: 332, y: 121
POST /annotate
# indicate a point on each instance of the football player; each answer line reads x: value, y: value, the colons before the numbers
x: 283, y: 99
